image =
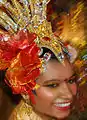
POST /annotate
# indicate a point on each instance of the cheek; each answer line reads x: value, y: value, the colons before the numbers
x: 44, y: 94
x: 73, y: 88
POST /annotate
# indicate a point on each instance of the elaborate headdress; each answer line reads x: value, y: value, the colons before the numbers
x: 24, y: 30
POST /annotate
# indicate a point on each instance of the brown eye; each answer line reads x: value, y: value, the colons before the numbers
x: 71, y: 81
x: 52, y: 85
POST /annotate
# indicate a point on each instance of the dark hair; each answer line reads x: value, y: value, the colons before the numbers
x: 46, y: 50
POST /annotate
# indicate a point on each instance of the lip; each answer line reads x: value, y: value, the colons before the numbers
x: 62, y: 108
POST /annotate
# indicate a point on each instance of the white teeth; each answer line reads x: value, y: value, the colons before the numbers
x: 62, y: 104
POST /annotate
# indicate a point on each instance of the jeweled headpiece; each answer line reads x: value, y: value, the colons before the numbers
x: 24, y: 30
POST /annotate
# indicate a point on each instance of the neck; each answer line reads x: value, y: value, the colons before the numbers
x: 46, y: 117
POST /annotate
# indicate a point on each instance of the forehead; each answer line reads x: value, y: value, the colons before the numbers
x: 56, y: 70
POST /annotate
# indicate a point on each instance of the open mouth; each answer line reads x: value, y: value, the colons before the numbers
x: 63, y: 106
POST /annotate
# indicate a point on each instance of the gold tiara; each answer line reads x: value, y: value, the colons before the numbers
x: 30, y: 15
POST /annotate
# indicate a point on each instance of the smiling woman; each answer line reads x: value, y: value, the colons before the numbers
x: 56, y: 92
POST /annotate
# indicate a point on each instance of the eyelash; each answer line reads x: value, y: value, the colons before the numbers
x: 72, y: 81
x: 53, y: 85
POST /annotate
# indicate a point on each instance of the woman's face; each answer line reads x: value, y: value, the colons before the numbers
x: 57, y: 89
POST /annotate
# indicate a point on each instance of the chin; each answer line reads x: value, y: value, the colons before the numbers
x: 62, y: 114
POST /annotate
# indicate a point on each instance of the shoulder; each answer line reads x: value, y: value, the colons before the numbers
x: 21, y: 112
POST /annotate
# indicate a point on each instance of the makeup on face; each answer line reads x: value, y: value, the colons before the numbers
x: 55, y: 83
x: 61, y: 104
x: 55, y: 86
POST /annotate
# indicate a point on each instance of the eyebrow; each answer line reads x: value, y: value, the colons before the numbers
x: 52, y: 80
x: 56, y: 80
x: 74, y: 75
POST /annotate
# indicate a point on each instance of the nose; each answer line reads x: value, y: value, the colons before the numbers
x: 66, y: 91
